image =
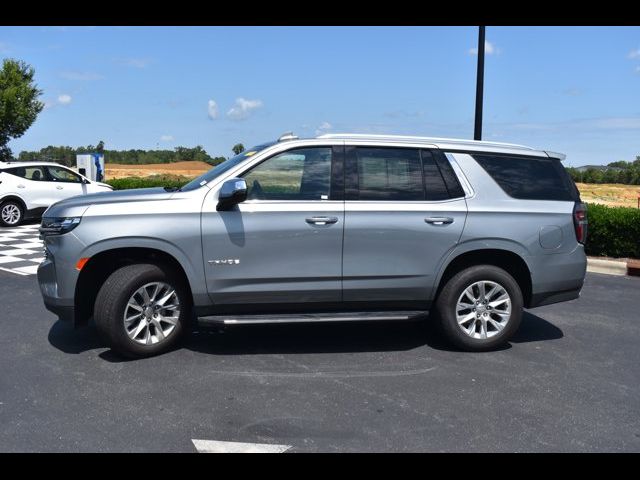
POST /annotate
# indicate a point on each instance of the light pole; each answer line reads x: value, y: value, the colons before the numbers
x: 477, y: 133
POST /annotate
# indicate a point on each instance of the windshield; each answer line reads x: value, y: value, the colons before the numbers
x: 223, y: 167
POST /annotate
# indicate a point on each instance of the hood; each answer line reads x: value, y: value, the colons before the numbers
x: 100, y: 184
x: 76, y: 206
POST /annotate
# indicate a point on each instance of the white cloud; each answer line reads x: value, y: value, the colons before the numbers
x: 212, y: 109
x: 324, y: 127
x: 167, y: 138
x: 634, y: 53
x: 81, y: 76
x: 64, y: 99
x: 243, y: 108
x: 489, y: 49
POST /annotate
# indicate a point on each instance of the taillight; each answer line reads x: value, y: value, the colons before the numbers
x: 580, y: 222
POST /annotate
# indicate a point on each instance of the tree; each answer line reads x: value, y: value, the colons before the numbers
x: 19, y: 104
x: 238, y: 148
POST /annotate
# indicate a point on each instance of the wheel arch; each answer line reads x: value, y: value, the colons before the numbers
x: 102, y: 264
x: 15, y: 197
x: 510, y: 261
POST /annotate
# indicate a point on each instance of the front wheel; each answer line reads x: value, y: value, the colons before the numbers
x: 141, y: 310
x: 480, y: 308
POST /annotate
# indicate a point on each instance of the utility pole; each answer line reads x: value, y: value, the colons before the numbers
x: 477, y: 134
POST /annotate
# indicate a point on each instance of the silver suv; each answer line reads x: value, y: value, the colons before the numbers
x: 334, y: 228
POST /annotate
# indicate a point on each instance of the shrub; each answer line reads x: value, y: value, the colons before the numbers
x: 148, y: 182
x: 613, y: 231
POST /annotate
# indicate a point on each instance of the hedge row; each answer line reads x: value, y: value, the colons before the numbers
x: 148, y: 182
x: 613, y: 231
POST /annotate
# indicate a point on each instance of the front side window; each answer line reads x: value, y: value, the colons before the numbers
x: 29, y: 173
x: 59, y: 174
x: 299, y: 174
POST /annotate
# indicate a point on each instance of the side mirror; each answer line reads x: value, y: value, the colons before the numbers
x: 233, y: 191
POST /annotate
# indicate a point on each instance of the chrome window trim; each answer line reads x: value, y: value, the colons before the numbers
x: 464, y: 182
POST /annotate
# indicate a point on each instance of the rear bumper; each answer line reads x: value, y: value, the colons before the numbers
x: 547, y: 298
x: 557, y: 277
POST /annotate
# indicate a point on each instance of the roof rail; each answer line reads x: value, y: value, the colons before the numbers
x: 461, y: 141
x: 287, y: 136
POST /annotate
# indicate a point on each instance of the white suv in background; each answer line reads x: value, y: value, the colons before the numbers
x: 27, y: 189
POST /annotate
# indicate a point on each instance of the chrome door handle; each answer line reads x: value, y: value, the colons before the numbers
x: 20, y: 186
x: 439, y: 220
x: 322, y: 220
x: 59, y: 187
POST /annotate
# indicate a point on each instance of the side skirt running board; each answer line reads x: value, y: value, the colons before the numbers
x: 311, y: 317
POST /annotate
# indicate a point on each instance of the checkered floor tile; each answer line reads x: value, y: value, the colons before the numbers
x: 20, y: 249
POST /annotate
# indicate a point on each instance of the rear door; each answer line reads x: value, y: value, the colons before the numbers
x: 31, y: 185
x: 404, y: 212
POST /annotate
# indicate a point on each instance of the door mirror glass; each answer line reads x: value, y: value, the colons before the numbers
x: 233, y: 191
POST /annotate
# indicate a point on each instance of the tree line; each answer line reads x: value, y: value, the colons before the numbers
x: 67, y: 155
x: 627, y: 173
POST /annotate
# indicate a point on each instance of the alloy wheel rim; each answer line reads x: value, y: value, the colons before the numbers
x: 152, y: 313
x: 10, y: 214
x: 483, y: 309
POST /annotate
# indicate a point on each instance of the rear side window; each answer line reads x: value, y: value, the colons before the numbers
x: 399, y: 174
x: 29, y: 173
x: 529, y: 178
x: 434, y: 185
x: 389, y: 174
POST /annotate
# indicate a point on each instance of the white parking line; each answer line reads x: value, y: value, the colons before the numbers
x: 216, y: 446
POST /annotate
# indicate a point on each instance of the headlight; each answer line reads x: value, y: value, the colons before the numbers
x: 58, y: 225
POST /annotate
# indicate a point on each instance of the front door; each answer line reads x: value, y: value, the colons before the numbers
x: 283, y: 245
x: 404, y: 212
x: 64, y: 183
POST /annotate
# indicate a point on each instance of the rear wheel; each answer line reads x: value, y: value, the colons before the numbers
x: 11, y: 213
x: 141, y: 310
x: 480, y: 308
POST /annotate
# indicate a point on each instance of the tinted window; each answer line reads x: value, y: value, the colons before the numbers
x: 300, y: 174
x: 59, y: 174
x: 450, y: 178
x: 30, y: 173
x: 531, y: 178
x: 389, y: 174
x: 435, y: 188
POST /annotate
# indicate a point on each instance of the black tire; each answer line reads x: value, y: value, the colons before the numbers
x: 447, y: 300
x: 15, y: 207
x: 112, y: 299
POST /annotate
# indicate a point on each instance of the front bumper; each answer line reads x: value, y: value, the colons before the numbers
x: 63, y: 307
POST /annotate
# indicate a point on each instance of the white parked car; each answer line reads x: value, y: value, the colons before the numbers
x: 27, y: 189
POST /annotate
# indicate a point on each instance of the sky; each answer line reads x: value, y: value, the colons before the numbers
x: 574, y: 90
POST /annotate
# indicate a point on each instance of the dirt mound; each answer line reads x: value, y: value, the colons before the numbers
x: 186, y: 169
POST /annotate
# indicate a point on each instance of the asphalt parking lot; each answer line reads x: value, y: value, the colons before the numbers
x: 570, y: 381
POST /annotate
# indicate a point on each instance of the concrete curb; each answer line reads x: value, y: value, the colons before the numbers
x: 610, y: 267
